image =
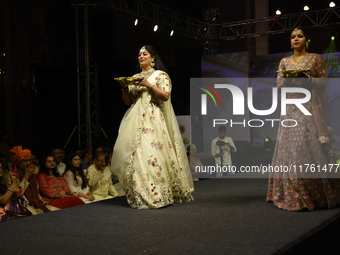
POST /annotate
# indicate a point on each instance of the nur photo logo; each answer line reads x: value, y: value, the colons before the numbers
x: 204, y: 97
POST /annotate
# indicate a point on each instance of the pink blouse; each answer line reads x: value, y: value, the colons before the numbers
x: 50, y: 185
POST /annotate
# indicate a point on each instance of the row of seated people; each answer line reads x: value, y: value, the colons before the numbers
x: 59, y: 153
x: 28, y: 190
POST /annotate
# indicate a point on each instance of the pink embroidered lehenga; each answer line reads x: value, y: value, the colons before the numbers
x: 301, y: 145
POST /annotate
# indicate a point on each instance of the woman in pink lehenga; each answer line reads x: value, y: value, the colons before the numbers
x: 304, y: 143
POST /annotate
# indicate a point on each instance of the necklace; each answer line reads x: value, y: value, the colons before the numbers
x: 298, y: 62
x: 147, y: 73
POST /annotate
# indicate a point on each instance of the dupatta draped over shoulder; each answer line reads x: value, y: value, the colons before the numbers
x: 149, y: 156
x: 301, y: 145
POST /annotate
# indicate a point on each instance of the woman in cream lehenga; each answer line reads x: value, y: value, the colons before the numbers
x: 149, y: 157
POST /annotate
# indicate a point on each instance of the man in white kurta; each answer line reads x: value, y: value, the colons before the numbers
x: 99, y: 179
x: 222, y: 154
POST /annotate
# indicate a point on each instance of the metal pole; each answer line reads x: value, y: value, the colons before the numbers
x: 88, y: 92
x: 78, y: 72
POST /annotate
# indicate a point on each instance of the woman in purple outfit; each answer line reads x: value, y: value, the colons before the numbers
x: 305, y: 143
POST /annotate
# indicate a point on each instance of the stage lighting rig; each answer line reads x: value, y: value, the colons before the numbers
x: 278, y: 12
x: 306, y: 8
x: 333, y: 34
x: 172, y: 32
x: 155, y: 28
x: 136, y: 22
x: 331, y: 4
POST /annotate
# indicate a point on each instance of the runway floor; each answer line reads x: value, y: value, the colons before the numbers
x: 228, y: 216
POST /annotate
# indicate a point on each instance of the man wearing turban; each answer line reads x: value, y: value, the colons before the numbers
x: 20, y: 159
x: 27, y: 181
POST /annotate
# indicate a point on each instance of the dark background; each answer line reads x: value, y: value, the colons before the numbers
x: 38, y: 70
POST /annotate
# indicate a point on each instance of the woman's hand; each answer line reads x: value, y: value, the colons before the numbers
x: 62, y: 194
x: 122, y: 83
x: 157, y: 92
x: 301, y: 82
x: 145, y: 83
x: 13, y: 178
x: 67, y: 191
x: 92, y: 198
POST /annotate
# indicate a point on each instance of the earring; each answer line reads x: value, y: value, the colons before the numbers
x: 140, y: 66
x: 291, y: 47
x: 307, y: 45
x: 152, y: 63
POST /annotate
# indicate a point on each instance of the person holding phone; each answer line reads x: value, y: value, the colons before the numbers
x: 27, y: 181
x: 22, y: 169
x: 10, y: 201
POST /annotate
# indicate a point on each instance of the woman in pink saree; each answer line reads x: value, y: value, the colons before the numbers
x: 304, y: 144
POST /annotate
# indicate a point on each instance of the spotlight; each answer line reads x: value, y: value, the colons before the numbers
x: 333, y: 34
x: 155, y: 28
x: 278, y: 12
x: 306, y: 8
x: 136, y: 22
x: 268, y: 144
x: 331, y: 4
x: 172, y: 33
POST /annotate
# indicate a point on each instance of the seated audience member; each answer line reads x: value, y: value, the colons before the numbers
x: 27, y: 181
x: 53, y: 187
x: 58, y: 154
x: 99, y: 179
x: 21, y: 169
x: 99, y: 149
x: 114, y: 177
x: 86, y: 159
x: 10, y: 203
x: 196, y: 165
x: 75, y: 178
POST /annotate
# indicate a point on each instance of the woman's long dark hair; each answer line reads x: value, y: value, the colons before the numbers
x: 44, y: 169
x: 158, y: 62
x: 70, y: 167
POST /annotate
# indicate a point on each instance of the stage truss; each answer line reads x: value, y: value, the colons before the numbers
x: 278, y: 24
x: 208, y: 31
